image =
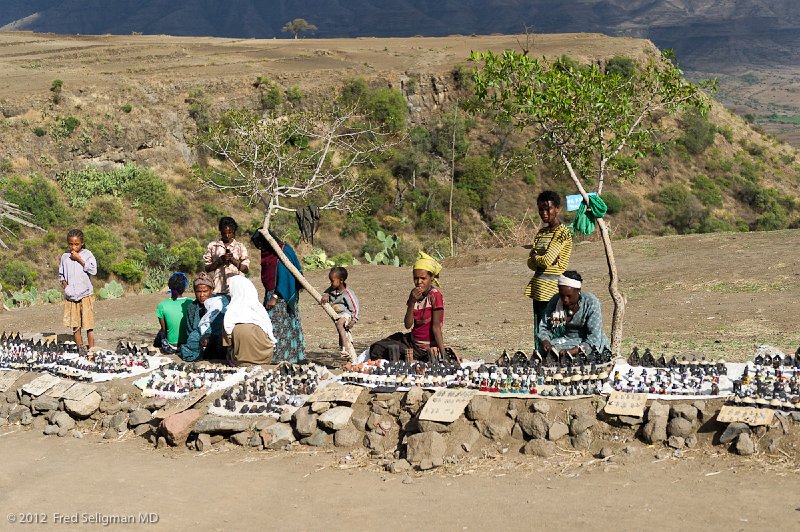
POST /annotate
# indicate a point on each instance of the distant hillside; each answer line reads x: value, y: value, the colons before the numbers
x: 117, y: 115
x: 719, y: 32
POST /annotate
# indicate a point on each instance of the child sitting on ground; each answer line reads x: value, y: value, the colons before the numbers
x: 344, y: 302
x: 171, y: 314
x: 76, y: 266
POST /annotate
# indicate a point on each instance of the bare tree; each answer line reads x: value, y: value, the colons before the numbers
x: 281, y: 162
x: 11, y: 211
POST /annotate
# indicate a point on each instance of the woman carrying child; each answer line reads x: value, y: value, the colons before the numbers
x: 344, y: 302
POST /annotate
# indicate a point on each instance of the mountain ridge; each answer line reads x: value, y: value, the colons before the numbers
x: 700, y: 31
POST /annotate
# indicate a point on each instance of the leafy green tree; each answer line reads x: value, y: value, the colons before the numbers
x: 298, y: 26
x: 587, y: 120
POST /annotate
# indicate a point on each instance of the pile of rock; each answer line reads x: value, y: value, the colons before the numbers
x: 388, y: 425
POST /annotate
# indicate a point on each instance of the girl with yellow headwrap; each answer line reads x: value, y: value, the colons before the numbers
x: 424, y: 316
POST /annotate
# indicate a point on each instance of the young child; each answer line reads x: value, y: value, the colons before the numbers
x: 171, y: 314
x: 344, y: 302
x: 74, y: 271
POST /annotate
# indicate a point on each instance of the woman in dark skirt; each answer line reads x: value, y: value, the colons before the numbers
x: 281, y: 291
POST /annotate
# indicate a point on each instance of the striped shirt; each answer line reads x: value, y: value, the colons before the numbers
x: 549, y: 259
x: 344, y: 302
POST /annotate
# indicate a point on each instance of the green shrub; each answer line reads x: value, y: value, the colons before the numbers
x: 698, y: 133
x: 188, y: 255
x: 105, y: 246
x: 317, y: 260
x: 18, y: 274
x: 39, y: 131
x: 104, y: 211
x: 684, y: 211
x: 712, y: 224
x: 476, y: 177
x: 64, y: 127
x: 442, y: 136
x: 294, y: 95
x: 614, y: 202
x: 199, y: 108
x: 130, y: 271
x: 770, y: 221
x: 432, y: 220
x: 344, y: 259
x: 706, y: 191
x: 462, y: 78
x: 354, y: 92
x: 622, y: 66
x: 55, y: 88
x: 127, y: 108
x: 38, y: 196
x: 271, y: 96
x: 387, y: 106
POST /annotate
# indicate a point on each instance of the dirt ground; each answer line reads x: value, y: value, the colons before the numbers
x: 718, y: 295
x: 229, y: 488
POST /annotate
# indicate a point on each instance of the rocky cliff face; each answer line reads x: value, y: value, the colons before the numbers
x: 702, y: 32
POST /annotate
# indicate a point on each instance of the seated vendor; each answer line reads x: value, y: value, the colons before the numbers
x: 204, y: 321
x: 171, y: 314
x: 248, y: 326
x: 572, y: 320
x: 424, y: 316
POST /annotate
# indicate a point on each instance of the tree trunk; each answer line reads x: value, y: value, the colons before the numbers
x: 613, y: 286
x: 613, y: 289
x: 351, y: 351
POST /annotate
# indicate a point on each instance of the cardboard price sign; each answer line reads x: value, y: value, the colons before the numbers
x: 337, y: 393
x: 184, y: 403
x: 40, y: 385
x: 626, y: 404
x: 58, y: 391
x: 7, y: 378
x: 746, y: 414
x: 446, y: 405
x: 78, y: 391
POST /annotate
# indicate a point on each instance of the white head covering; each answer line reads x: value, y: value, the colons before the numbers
x: 566, y: 281
x: 245, y: 307
x: 213, y: 308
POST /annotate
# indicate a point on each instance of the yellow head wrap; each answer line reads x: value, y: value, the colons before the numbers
x: 428, y: 263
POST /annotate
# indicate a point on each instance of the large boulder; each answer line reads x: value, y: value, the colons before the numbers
x: 681, y: 427
x: 426, y: 446
x: 44, y: 403
x: 581, y: 423
x: 176, y: 428
x: 83, y: 408
x: 479, y: 408
x: 277, y: 436
x: 348, y: 437
x: 540, y: 448
x: 732, y: 431
x: 655, y: 430
x: 336, y: 418
x: 140, y: 416
x: 534, y: 424
x: 220, y: 424
x: 305, y: 422
x: 557, y: 431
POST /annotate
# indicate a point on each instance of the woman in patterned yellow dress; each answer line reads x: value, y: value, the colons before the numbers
x: 549, y: 257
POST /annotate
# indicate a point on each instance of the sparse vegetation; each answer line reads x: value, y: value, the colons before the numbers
x: 298, y: 26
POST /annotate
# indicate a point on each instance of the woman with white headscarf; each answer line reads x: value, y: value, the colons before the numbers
x: 572, y: 320
x: 248, y: 325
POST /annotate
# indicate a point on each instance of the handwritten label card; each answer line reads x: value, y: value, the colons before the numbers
x: 7, y: 378
x: 39, y: 385
x: 446, y: 406
x: 78, y: 391
x: 337, y: 393
x: 626, y: 404
x: 746, y: 414
x: 61, y: 387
